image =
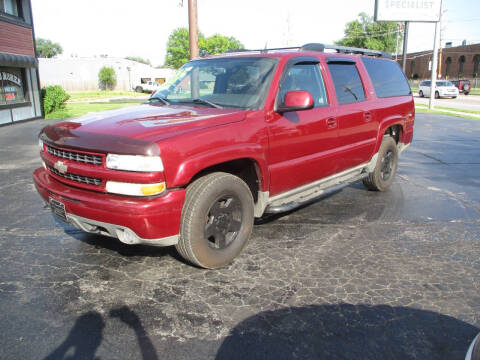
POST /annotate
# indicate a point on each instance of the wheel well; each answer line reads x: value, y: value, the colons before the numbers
x: 394, y: 131
x: 245, y: 169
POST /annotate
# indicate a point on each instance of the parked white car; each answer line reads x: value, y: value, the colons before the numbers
x: 442, y: 89
x: 149, y: 86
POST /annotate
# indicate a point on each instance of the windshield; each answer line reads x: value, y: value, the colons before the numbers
x: 444, y: 83
x: 226, y: 82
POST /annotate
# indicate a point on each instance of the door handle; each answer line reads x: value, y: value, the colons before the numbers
x: 367, y: 116
x: 331, y: 123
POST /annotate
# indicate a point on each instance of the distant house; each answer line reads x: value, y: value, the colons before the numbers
x: 19, y: 90
x: 81, y: 73
x: 456, y: 62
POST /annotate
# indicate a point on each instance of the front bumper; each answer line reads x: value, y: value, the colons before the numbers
x: 153, y: 221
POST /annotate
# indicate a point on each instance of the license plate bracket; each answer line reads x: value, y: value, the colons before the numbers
x: 58, y: 209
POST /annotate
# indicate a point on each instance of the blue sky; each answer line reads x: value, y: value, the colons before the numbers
x: 141, y: 28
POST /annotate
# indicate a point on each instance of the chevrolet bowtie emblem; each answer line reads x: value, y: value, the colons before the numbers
x: 61, y: 167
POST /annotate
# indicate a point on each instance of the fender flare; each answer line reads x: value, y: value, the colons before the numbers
x: 189, y: 167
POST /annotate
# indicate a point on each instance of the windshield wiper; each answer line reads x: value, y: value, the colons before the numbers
x: 163, y: 100
x: 203, y: 101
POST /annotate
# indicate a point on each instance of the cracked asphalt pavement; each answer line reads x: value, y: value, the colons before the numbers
x: 359, y: 275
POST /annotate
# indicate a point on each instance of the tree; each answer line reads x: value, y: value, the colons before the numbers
x: 217, y: 44
x: 366, y: 33
x: 139, y: 59
x: 47, y: 48
x: 178, y: 46
x: 107, y: 78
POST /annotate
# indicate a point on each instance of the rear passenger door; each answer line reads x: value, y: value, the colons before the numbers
x: 356, y: 121
x: 302, y: 143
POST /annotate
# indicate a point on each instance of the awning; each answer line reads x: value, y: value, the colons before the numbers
x: 18, y: 60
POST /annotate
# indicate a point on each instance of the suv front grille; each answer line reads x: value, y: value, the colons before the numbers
x: 78, y: 178
x: 75, y: 156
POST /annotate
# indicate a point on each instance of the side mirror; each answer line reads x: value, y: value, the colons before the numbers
x: 295, y: 101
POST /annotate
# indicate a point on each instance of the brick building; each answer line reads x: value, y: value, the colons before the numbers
x: 19, y: 85
x: 456, y: 62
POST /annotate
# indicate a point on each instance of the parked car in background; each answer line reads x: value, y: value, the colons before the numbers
x: 463, y: 86
x: 442, y: 89
x: 149, y: 86
x: 229, y: 138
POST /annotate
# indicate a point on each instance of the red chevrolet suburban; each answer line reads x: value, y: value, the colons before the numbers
x: 229, y: 138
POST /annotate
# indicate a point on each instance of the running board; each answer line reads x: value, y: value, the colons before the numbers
x: 312, y: 196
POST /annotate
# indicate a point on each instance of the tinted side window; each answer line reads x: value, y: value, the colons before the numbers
x: 387, y: 77
x: 348, y: 85
x: 305, y: 77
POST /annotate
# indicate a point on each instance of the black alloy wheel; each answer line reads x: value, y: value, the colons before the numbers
x: 387, y: 165
x: 223, y: 222
x: 217, y: 220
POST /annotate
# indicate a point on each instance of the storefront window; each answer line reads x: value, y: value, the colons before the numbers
x: 12, y: 89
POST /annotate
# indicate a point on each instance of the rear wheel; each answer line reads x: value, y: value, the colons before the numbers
x: 384, y: 173
x: 217, y: 220
x: 466, y: 92
x: 139, y: 89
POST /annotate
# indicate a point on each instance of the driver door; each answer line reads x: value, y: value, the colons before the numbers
x: 302, y: 144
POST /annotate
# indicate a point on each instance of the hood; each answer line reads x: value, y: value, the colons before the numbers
x: 136, y: 129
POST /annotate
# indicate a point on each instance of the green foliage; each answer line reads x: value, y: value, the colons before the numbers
x: 53, y: 98
x: 218, y: 44
x: 368, y: 34
x: 178, y: 46
x: 139, y: 59
x: 47, y: 48
x: 107, y: 78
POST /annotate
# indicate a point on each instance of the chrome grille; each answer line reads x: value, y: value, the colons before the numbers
x: 78, y: 178
x: 75, y: 156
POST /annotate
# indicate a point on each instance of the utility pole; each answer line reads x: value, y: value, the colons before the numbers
x: 396, y: 46
x: 405, y: 43
x: 434, y: 68
x: 440, y: 54
x: 193, y: 28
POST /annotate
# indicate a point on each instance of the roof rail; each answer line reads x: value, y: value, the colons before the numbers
x: 321, y: 48
x: 344, y: 50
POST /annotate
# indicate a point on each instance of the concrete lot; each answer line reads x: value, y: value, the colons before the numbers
x: 360, y: 275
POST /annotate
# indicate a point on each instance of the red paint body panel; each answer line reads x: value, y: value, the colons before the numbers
x: 289, y: 149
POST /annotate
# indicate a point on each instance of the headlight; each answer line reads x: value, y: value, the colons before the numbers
x: 134, y: 189
x: 40, y: 144
x: 134, y: 163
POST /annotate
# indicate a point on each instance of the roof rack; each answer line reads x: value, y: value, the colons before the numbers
x: 322, y: 47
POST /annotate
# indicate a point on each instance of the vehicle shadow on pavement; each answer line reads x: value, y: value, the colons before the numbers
x: 87, y: 334
x: 347, y: 331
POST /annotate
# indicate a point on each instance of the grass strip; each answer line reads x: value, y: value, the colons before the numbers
x: 81, y: 108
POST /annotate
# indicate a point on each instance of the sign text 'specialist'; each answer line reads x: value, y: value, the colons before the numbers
x: 407, y: 10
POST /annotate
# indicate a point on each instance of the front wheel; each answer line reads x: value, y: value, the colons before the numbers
x: 383, y: 175
x: 437, y: 95
x: 420, y: 93
x: 217, y: 220
x: 466, y: 92
x: 139, y: 89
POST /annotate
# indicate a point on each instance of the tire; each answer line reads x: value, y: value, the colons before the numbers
x: 454, y: 97
x: 217, y: 220
x: 420, y: 93
x: 437, y: 95
x: 381, y: 179
x: 466, y: 92
x: 139, y: 89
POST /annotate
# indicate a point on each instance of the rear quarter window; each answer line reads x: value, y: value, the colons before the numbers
x: 387, y: 78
